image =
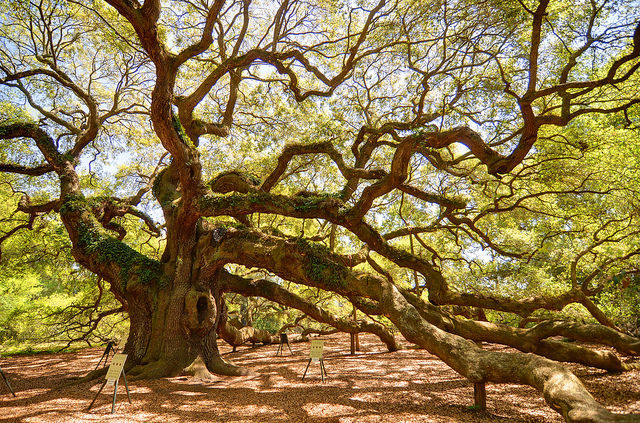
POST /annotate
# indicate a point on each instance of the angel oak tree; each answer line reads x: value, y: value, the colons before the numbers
x: 392, y: 142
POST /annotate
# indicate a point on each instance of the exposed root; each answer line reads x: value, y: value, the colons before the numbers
x: 218, y: 366
x: 199, y: 370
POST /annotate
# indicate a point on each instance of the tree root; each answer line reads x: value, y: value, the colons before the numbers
x: 220, y: 367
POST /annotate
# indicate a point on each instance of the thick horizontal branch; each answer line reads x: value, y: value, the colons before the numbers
x: 311, y: 265
x: 469, y: 138
x: 532, y: 340
x: 24, y: 170
x: 448, y: 203
x: 26, y: 206
x: 237, y: 336
x: 278, y: 294
x: 39, y: 136
x: 333, y: 210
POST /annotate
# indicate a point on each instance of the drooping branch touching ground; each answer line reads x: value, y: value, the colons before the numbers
x: 534, y: 340
x: 297, y: 262
x: 235, y: 336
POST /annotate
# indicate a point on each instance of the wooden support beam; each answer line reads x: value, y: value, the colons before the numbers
x: 480, y: 396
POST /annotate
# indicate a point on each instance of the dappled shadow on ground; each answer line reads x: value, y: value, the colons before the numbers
x: 373, y: 386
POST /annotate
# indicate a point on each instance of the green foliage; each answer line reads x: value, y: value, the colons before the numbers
x: 270, y: 321
x: 74, y: 204
x: 18, y: 312
x: 620, y: 301
x: 47, y: 300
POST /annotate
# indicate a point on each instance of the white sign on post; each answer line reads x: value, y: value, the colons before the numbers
x: 115, y: 369
x: 315, y: 353
x: 113, y: 375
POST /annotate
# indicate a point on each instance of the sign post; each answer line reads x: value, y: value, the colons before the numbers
x: 284, y: 339
x: 480, y: 396
x: 111, y: 348
x: 113, y: 376
x: 6, y: 380
x: 315, y: 354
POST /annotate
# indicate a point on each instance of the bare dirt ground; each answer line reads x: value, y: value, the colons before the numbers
x: 373, y: 386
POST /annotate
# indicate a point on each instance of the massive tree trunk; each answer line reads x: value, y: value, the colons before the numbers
x: 174, y: 307
x: 172, y: 320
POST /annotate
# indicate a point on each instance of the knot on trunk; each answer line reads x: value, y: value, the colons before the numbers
x: 200, y: 312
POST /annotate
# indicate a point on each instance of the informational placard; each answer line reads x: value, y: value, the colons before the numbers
x: 315, y: 353
x: 115, y: 369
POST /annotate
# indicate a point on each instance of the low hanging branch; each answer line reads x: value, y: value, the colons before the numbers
x: 291, y: 260
x: 236, y: 336
x: 278, y: 294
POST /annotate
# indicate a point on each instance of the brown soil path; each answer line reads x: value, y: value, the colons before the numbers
x: 373, y: 386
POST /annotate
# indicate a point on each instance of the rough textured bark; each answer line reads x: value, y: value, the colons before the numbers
x: 236, y: 336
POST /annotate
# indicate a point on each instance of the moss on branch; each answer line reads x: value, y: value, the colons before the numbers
x: 75, y: 203
x: 134, y: 267
x: 319, y: 266
x: 254, y: 201
x: 182, y: 134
